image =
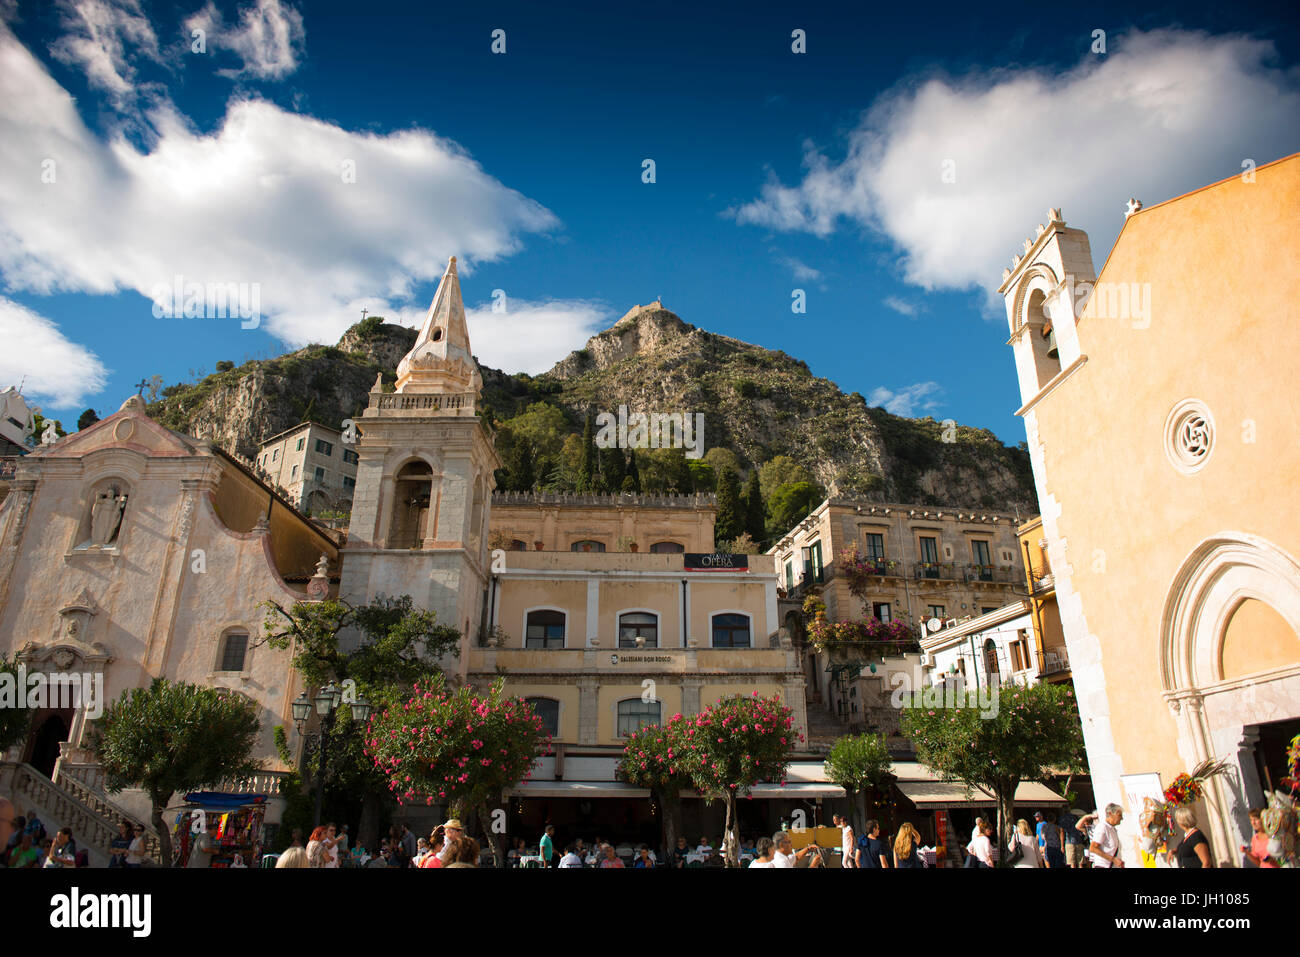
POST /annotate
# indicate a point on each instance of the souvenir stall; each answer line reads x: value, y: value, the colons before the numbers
x: 240, y: 827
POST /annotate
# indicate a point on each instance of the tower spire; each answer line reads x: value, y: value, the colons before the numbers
x: 441, y: 359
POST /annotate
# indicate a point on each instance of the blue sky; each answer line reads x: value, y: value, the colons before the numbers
x: 774, y: 171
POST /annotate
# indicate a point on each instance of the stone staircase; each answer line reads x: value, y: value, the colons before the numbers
x: 823, y: 729
x: 72, y: 803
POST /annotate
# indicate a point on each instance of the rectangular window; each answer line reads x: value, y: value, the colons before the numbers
x: 275, y: 455
x: 980, y: 550
x: 232, y: 654
x: 293, y: 473
x: 881, y: 611
x: 298, y: 447
x: 544, y: 629
x: 349, y: 482
x: 929, y: 549
x: 789, y: 576
x: 320, y: 475
x: 936, y: 611
x: 324, y: 448
x: 730, y: 631
x: 875, y: 546
x: 349, y: 456
x: 817, y: 561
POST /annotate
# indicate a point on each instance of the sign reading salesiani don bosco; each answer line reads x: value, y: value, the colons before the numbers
x: 715, y: 562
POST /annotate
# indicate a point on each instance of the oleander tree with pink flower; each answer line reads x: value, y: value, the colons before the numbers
x: 734, y: 745
x: 654, y: 758
x: 463, y: 747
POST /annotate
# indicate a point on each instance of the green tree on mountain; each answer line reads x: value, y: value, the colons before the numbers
x: 633, y: 472
x: 755, y: 517
x: 731, y: 516
x: 791, y: 503
x: 588, y: 477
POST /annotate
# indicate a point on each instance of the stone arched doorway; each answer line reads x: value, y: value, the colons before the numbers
x: 1230, y: 662
x: 49, y: 729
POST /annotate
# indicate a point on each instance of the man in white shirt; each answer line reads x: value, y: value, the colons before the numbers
x: 786, y: 855
x: 1104, y: 848
x: 846, y: 841
x: 570, y: 858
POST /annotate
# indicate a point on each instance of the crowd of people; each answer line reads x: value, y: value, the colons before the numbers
x: 1052, y: 841
x: 29, y: 845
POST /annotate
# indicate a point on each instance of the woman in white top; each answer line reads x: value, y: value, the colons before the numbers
x: 1030, y: 853
x: 980, y: 847
x: 765, y: 851
x: 135, y: 853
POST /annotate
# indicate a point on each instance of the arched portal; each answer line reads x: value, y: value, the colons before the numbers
x: 1219, y: 714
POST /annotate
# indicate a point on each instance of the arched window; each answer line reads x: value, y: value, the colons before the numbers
x: 667, y: 548
x: 517, y: 546
x: 587, y: 545
x: 638, y: 624
x: 635, y: 714
x: 730, y: 631
x: 413, y: 489
x: 548, y: 709
x: 990, y: 660
x: 234, y: 650
x: 545, y: 629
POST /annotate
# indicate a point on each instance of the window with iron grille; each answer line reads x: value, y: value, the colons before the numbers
x: 548, y: 709
x: 635, y: 714
x: 350, y: 457
x: 324, y: 448
x: 234, y: 650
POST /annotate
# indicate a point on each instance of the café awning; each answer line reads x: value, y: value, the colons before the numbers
x: 577, y: 789
x: 941, y: 795
x: 795, y: 790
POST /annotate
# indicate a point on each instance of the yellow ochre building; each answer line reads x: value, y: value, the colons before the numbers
x: 1159, y: 400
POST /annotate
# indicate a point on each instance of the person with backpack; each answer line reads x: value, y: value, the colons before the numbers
x: 872, y: 851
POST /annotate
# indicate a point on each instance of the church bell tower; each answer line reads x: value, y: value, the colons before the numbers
x: 425, y: 478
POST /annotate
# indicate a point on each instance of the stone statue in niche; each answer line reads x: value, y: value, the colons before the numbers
x: 106, y: 516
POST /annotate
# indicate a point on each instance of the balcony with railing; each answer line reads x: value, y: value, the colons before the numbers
x: 422, y: 403
x: 1056, y: 661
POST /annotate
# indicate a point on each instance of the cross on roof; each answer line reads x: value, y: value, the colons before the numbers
x: 141, y: 385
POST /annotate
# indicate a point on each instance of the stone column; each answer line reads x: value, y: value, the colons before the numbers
x: 588, y: 702
x: 22, y: 491
x: 691, y: 695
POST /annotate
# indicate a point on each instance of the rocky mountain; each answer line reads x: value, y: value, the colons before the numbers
x: 757, y: 402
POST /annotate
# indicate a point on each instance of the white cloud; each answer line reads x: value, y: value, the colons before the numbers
x: 532, y: 336
x: 102, y: 38
x: 910, y: 401
x: 61, y: 372
x: 799, y: 269
x: 1163, y: 113
x: 269, y: 38
x: 901, y: 306
x: 261, y: 200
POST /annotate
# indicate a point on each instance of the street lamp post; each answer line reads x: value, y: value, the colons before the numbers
x: 327, y: 702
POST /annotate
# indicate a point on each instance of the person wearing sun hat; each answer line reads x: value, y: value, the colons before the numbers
x: 452, y: 831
